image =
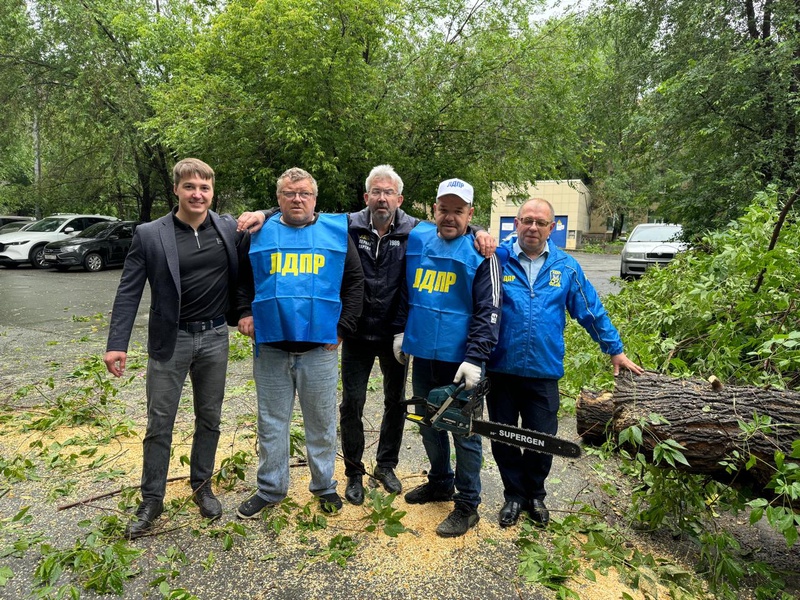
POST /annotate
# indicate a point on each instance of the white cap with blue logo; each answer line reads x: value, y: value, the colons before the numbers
x: 457, y: 187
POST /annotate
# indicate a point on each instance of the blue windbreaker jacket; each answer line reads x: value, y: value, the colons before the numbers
x: 531, y: 340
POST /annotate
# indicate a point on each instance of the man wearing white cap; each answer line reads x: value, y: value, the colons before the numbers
x: 454, y: 301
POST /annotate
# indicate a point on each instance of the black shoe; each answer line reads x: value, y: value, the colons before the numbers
x: 509, y: 514
x: 458, y: 522
x: 330, y: 503
x: 354, y: 492
x: 210, y: 507
x: 146, y: 514
x: 538, y: 512
x: 429, y: 493
x: 389, y: 480
x: 252, y: 507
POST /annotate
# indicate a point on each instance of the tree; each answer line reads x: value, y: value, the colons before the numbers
x: 83, y: 70
x: 438, y: 90
x: 714, y: 122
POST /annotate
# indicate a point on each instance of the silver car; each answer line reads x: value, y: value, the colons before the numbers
x: 648, y: 245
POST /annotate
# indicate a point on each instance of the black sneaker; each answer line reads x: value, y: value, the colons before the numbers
x: 389, y: 480
x: 210, y: 507
x: 330, y: 503
x: 252, y: 507
x: 354, y: 492
x: 429, y: 493
x: 458, y: 522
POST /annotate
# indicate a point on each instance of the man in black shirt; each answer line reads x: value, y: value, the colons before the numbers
x: 189, y: 257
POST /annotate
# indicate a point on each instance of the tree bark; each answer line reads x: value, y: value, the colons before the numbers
x: 704, y: 419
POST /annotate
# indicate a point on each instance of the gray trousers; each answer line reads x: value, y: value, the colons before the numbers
x: 204, y: 357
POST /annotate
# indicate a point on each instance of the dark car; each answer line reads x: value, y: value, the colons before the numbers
x: 96, y: 247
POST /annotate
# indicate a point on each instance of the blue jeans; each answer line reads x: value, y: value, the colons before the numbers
x: 204, y: 357
x: 535, y: 403
x: 313, y: 376
x: 358, y: 357
x: 429, y: 374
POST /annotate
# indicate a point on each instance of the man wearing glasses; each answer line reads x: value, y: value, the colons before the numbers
x: 539, y: 282
x: 300, y: 292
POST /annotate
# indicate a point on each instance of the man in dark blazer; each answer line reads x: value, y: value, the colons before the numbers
x: 189, y: 257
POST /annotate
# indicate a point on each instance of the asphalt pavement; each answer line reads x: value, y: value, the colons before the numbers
x: 42, y: 300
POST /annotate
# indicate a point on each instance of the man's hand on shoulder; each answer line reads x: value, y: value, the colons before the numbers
x: 485, y: 243
x: 250, y: 221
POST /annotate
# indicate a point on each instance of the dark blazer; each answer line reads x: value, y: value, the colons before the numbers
x: 153, y: 257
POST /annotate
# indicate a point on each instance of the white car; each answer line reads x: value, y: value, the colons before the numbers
x: 649, y: 245
x: 27, y: 246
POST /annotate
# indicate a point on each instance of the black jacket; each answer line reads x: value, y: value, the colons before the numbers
x: 153, y: 259
x: 384, y: 263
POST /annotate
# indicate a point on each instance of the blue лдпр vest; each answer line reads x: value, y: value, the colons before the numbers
x: 298, y: 278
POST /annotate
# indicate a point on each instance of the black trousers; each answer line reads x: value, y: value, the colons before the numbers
x: 534, y: 402
x: 358, y: 358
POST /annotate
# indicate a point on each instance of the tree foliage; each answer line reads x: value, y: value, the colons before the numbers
x: 714, y: 118
x: 82, y: 71
x: 700, y: 316
x: 438, y: 90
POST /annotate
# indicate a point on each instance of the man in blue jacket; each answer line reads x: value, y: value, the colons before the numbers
x: 539, y: 283
x: 454, y: 299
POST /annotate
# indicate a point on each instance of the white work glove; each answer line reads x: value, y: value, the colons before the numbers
x: 397, y: 348
x: 468, y: 373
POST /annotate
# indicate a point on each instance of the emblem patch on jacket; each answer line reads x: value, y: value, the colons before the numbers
x: 555, y: 279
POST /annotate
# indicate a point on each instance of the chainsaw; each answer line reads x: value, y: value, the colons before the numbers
x: 451, y: 408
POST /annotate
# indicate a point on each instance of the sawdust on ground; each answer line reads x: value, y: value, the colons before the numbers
x: 384, y: 563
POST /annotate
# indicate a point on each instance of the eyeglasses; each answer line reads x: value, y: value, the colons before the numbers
x: 302, y: 195
x: 530, y: 221
x: 376, y: 193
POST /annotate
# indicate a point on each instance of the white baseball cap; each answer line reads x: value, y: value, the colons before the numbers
x: 457, y: 187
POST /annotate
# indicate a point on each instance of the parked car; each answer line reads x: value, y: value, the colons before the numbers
x: 27, y: 246
x: 95, y: 248
x: 15, y: 226
x: 649, y: 245
x: 6, y: 219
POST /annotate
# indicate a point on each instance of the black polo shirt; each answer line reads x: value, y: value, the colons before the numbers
x: 204, y: 271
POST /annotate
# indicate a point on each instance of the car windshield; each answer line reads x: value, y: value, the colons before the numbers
x: 15, y: 226
x: 661, y: 233
x: 98, y: 230
x: 48, y: 225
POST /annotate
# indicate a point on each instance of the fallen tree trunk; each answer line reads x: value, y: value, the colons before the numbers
x: 703, y: 417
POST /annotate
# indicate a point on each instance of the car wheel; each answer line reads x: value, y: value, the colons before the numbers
x: 37, y: 257
x: 93, y: 262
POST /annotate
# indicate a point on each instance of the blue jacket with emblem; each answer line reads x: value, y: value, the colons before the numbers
x: 531, y: 340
